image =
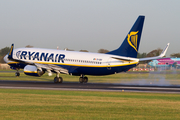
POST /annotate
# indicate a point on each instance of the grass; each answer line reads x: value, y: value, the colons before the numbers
x: 80, y: 105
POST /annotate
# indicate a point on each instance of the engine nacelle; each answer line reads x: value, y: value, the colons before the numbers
x: 32, y: 71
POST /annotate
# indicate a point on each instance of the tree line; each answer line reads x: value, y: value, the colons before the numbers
x: 3, y: 52
x: 156, y: 52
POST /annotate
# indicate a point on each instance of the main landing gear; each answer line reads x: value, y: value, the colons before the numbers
x: 83, y: 79
x: 58, y: 79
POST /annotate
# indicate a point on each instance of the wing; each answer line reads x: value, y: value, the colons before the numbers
x: 157, y: 57
x: 51, y: 67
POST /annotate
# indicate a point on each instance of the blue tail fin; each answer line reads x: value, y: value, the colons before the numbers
x: 130, y: 46
x: 10, y: 55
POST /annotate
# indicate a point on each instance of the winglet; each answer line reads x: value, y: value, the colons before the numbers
x: 164, y: 51
x: 10, y: 55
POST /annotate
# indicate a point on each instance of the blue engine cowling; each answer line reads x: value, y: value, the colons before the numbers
x: 33, y: 71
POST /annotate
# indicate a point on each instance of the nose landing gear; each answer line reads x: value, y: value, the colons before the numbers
x: 17, y: 74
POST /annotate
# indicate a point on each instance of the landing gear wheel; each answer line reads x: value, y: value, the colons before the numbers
x: 17, y: 74
x: 85, y: 79
x: 58, y: 80
x: 81, y: 80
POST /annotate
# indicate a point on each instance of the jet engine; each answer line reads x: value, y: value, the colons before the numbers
x: 33, y: 71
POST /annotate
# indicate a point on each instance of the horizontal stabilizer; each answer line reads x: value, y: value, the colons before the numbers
x: 122, y: 59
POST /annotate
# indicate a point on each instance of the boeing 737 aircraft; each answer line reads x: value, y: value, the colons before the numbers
x: 37, y: 61
x: 165, y: 62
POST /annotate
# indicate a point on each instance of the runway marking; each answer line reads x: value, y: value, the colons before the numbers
x: 42, y: 88
x: 153, y: 88
x: 102, y: 90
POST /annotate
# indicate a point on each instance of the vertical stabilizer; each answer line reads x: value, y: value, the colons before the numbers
x: 130, y: 45
x: 10, y: 55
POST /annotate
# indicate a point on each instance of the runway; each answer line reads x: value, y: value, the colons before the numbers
x: 87, y: 87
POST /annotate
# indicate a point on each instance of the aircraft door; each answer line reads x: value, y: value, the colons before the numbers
x: 109, y: 64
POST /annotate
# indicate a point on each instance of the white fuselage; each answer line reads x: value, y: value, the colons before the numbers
x: 72, y: 59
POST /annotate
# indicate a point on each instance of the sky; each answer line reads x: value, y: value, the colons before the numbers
x: 88, y: 24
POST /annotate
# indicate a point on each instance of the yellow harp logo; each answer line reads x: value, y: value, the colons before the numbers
x: 132, y: 39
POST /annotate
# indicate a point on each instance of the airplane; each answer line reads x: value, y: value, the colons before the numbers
x: 37, y: 61
x: 165, y: 62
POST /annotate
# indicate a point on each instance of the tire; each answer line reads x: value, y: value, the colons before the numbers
x: 81, y: 80
x: 85, y: 79
x: 56, y: 80
x: 60, y: 79
x: 17, y: 74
